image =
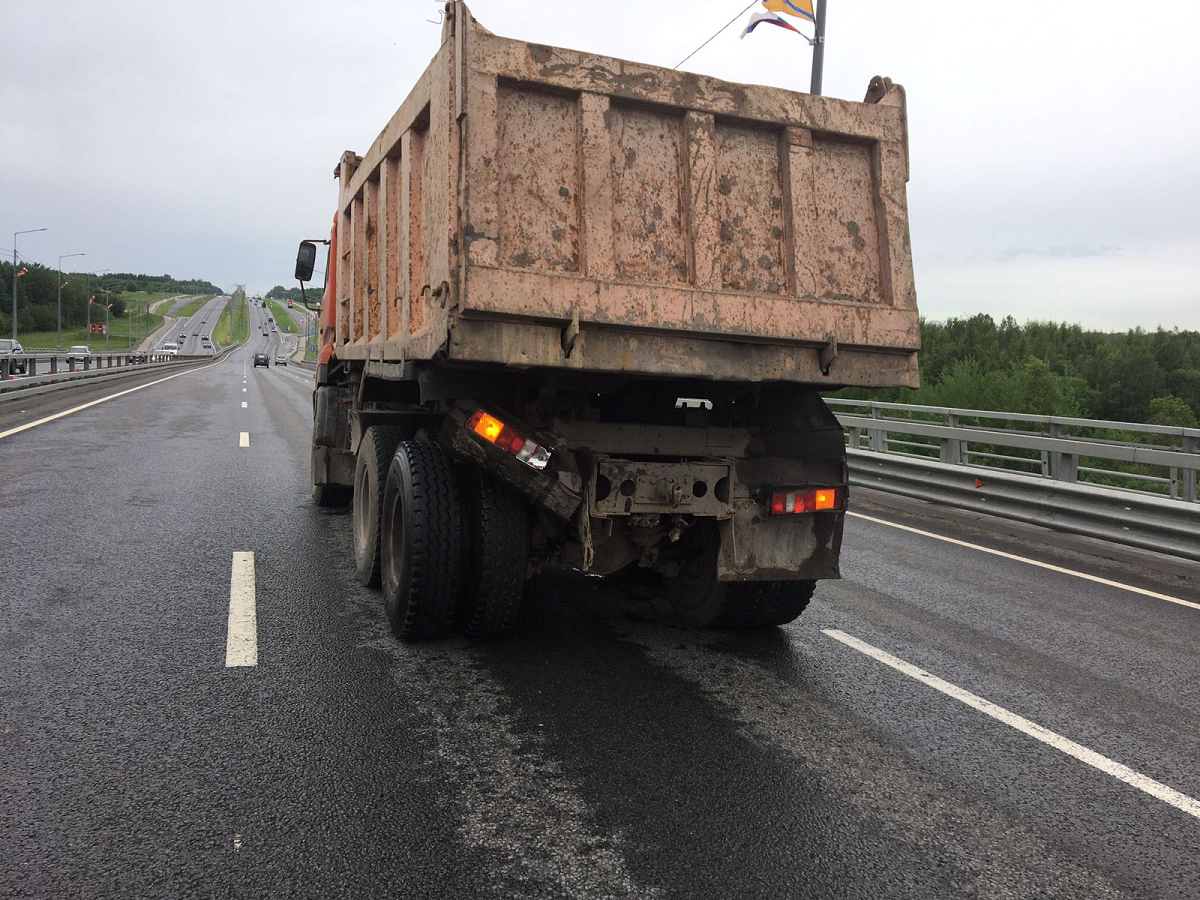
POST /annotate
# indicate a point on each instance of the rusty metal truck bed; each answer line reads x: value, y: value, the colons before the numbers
x: 530, y: 206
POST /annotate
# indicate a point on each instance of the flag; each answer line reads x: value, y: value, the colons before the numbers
x: 109, y: 306
x: 770, y: 19
x: 22, y: 271
x: 64, y: 284
x: 801, y: 8
x: 91, y: 299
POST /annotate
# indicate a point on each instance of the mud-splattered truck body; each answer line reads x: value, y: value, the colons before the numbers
x: 590, y: 303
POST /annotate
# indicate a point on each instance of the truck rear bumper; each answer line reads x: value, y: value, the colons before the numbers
x: 528, y: 345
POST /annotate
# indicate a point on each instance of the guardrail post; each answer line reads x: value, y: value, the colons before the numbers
x: 5, y: 368
x: 54, y: 365
x: 31, y: 366
x: 951, y: 451
x: 1188, y: 479
x: 855, y: 437
x: 878, y: 435
x: 1062, y: 466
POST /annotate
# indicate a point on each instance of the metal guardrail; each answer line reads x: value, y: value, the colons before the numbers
x: 52, y: 362
x: 1124, y: 517
x: 26, y: 386
x: 1055, y: 448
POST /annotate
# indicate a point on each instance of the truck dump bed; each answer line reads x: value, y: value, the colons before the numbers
x: 532, y: 206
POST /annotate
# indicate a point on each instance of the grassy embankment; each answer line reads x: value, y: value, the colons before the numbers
x: 234, y: 322
x: 192, y: 306
x: 283, y: 315
x: 135, y: 319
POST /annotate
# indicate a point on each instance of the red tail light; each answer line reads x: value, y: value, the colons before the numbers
x: 806, y: 500
x: 509, y: 439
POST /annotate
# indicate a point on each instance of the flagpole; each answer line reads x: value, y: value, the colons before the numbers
x: 818, y: 64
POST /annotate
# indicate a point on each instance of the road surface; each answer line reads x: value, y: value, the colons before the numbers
x: 943, y: 722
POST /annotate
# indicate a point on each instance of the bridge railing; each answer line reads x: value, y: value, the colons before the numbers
x: 1151, y: 459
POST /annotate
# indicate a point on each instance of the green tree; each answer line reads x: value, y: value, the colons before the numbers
x: 1172, y: 411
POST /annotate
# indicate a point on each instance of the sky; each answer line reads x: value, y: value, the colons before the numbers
x: 1055, y: 147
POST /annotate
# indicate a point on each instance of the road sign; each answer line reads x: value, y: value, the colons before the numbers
x: 98, y: 328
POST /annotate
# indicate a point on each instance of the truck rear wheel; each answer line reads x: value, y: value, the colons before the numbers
x: 497, y: 546
x: 699, y: 600
x: 421, y: 541
x: 781, y: 602
x: 375, y: 454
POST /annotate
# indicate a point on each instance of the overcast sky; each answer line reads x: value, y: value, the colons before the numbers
x: 1055, y: 158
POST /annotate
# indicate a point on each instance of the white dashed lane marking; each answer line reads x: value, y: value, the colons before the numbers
x: 1118, y: 771
x: 244, y: 440
x: 241, y: 641
x: 1031, y: 562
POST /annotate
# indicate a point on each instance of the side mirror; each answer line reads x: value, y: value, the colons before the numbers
x: 306, y: 260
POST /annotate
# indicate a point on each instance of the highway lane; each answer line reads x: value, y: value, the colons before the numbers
x: 597, y: 754
x: 195, y: 327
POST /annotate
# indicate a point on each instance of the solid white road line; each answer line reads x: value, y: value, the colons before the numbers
x: 245, y: 404
x: 244, y: 440
x: 1118, y: 771
x: 241, y: 641
x: 1033, y: 562
x: 66, y: 412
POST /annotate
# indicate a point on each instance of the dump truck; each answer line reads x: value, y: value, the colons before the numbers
x: 579, y: 312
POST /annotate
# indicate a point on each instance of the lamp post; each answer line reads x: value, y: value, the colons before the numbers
x: 107, y: 309
x: 88, y: 333
x: 60, y: 287
x: 15, y: 233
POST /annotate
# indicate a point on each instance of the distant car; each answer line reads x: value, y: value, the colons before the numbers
x: 281, y: 360
x: 9, y: 347
x: 195, y: 334
x: 78, y: 353
x: 261, y: 359
x: 182, y: 337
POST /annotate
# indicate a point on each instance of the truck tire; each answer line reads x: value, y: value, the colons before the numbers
x: 497, y: 554
x: 781, y: 602
x: 697, y: 598
x: 326, y: 495
x: 421, y: 541
x: 375, y: 453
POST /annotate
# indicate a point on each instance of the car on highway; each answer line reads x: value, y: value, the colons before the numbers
x: 182, y: 337
x: 10, y: 347
x: 281, y: 360
x: 78, y: 353
x: 169, y: 349
x: 261, y: 359
x: 137, y: 356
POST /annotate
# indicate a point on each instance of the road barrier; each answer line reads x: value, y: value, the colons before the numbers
x: 1046, y: 471
x: 1164, y: 462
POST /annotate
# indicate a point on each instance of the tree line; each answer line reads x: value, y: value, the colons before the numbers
x: 1054, y: 368
x: 37, y: 306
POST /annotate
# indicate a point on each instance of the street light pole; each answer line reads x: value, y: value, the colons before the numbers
x: 88, y: 333
x: 60, y: 287
x: 818, y: 60
x: 15, y: 233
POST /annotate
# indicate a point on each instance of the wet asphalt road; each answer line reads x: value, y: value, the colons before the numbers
x: 594, y: 755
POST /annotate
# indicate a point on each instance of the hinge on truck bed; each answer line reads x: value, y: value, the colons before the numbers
x: 828, y: 353
x: 570, y: 333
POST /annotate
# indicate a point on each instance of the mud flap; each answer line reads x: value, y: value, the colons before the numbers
x: 758, y: 547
